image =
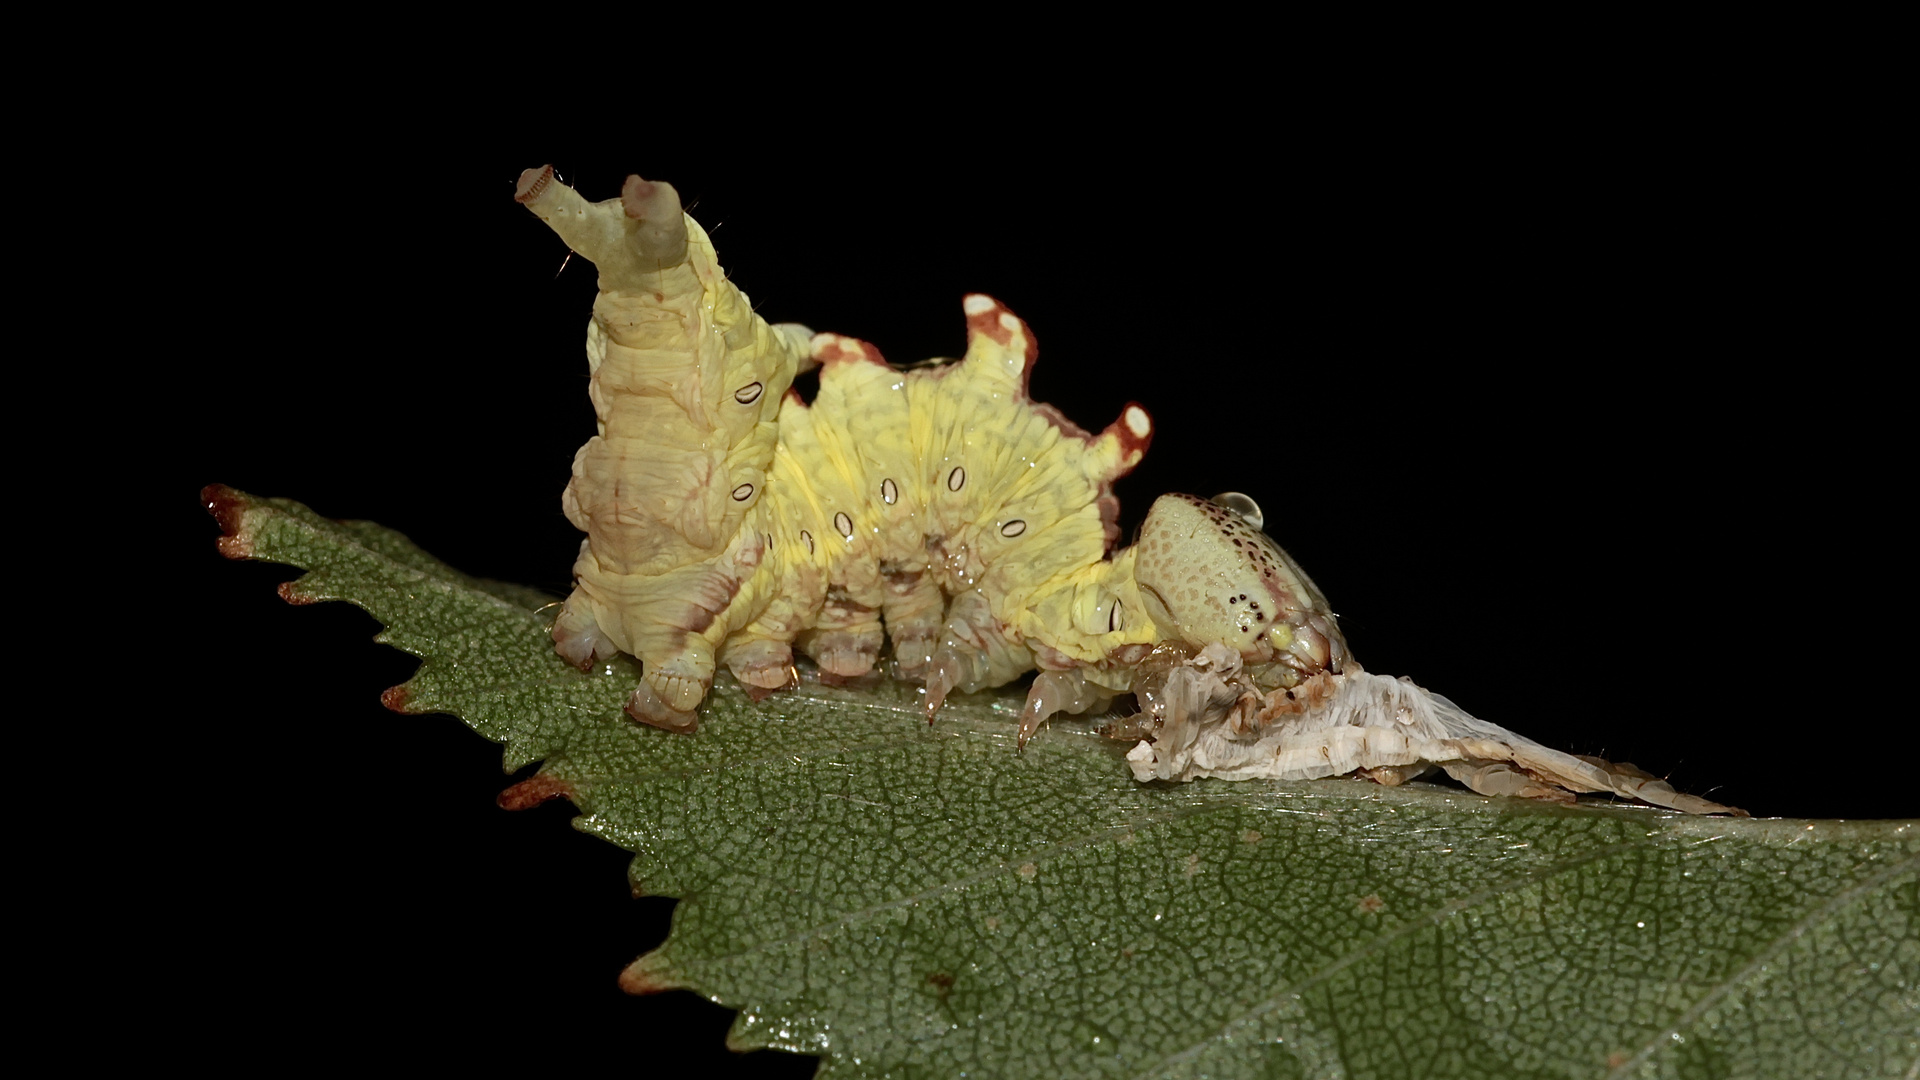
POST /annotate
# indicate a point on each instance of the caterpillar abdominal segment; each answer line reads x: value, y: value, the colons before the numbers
x: 939, y: 507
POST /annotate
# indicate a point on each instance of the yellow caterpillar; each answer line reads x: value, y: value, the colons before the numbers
x: 730, y: 522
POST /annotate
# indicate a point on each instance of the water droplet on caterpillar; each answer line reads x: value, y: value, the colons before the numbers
x: 1243, y: 506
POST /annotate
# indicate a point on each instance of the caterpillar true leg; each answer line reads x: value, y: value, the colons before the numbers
x: 1058, y: 692
x: 946, y: 669
x: 975, y: 652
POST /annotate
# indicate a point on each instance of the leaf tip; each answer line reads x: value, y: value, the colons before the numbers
x: 528, y: 793
x: 228, y: 507
x: 290, y: 592
x: 393, y: 697
x: 644, y: 976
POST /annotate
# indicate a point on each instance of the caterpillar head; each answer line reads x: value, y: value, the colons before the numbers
x: 1208, y: 574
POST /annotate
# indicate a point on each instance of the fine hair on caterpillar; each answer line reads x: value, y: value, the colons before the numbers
x: 934, y: 517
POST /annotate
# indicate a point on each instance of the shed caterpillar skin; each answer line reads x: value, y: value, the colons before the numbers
x: 729, y: 522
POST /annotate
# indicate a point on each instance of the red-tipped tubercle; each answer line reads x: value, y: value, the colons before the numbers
x: 991, y: 319
x: 839, y: 349
x: 1134, y: 428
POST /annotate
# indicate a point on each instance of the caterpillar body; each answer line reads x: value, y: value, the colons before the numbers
x: 730, y: 522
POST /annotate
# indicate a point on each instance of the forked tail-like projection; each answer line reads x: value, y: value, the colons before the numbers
x: 728, y: 521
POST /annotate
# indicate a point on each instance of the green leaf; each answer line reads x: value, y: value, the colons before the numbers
x: 915, y: 901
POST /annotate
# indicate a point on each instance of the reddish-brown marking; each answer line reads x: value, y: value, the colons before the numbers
x: 228, y: 508
x: 532, y: 183
x: 1051, y: 659
x: 636, y: 980
x: 530, y: 793
x: 395, y: 698
x: 840, y: 349
x: 293, y: 595
x: 1128, y: 440
x: 942, y: 982
x: 1109, y: 517
x: 1068, y: 429
x: 843, y: 606
x: 758, y: 694
x: 1372, y: 904
x: 900, y: 582
x: 987, y: 323
x: 635, y: 194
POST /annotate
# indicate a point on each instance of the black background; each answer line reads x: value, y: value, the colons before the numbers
x: 1546, y: 404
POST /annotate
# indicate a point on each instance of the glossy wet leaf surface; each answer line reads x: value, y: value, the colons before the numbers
x: 917, y: 901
